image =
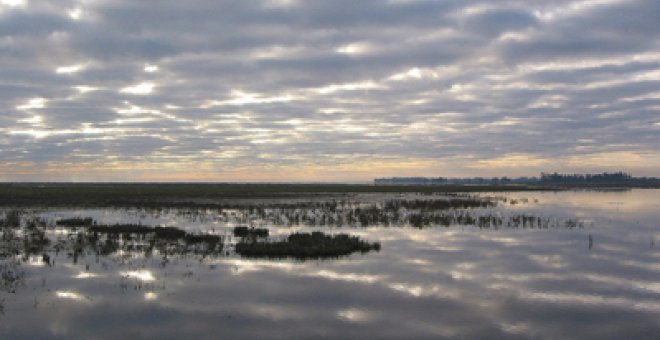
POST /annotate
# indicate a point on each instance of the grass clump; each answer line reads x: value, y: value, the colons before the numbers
x: 307, y: 245
x: 76, y: 222
x: 122, y: 229
x: 195, y: 239
x: 12, y: 219
x: 245, y: 231
x: 159, y: 233
x: 169, y: 233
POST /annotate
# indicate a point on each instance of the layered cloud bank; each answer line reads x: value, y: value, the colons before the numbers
x: 326, y: 90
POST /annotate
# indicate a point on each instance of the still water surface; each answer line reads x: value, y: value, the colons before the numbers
x: 600, y: 279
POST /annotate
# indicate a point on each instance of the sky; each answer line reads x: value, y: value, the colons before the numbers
x: 326, y: 91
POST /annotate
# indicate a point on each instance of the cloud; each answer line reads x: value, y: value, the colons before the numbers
x: 267, y: 86
x: 139, y: 89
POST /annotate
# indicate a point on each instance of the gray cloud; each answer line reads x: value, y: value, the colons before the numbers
x: 257, y: 85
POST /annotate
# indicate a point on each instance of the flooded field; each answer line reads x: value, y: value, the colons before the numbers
x: 532, y: 264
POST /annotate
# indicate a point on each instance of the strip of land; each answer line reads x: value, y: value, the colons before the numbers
x: 210, y: 194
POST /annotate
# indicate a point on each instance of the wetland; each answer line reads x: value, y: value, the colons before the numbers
x: 253, y: 263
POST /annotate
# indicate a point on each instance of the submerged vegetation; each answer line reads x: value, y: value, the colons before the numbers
x: 255, y: 232
x: 86, y: 237
x: 487, y: 221
x: 139, y: 238
x: 420, y: 213
x: 306, y: 245
x: 37, y: 238
x: 78, y: 238
x: 76, y: 222
x: 24, y: 235
x: 12, y: 219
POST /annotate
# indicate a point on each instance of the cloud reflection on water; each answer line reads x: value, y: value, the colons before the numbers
x: 434, y: 282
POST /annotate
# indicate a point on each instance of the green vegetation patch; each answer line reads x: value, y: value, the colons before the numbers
x: 306, y: 245
x: 245, y: 231
x: 75, y: 222
x: 206, y: 195
x: 12, y: 219
x: 159, y: 233
x: 123, y: 229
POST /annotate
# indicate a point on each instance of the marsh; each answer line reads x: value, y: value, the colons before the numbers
x: 528, y: 264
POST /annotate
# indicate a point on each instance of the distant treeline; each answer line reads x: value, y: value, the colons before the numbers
x: 605, y: 178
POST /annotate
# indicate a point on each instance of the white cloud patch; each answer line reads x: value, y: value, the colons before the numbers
x: 75, y: 13
x: 84, y: 88
x: 364, y: 85
x: 139, y: 89
x: 69, y: 69
x: 12, y: 3
x: 33, y: 103
x: 354, y: 49
x: 151, y: 68
x: 240, y: 98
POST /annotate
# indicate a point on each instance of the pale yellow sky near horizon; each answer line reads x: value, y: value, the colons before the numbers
x: 512, y: 166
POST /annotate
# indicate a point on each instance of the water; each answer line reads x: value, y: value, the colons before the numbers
x: 599, y: 279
